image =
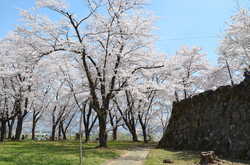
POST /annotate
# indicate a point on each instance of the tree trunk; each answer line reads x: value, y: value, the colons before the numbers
x: 3, y: 131
x: 102, y: 129
x: 64, y: 135
x: 20, y: 118
x: 132, y: 131
x: 33, y: 130
x: 209, y: 158
x: 10, y: 128
x: 230, y: 74
x: 134, y: 135
x: 176, y: 96
x: 185, y: 93
x: 53, y: 132
x: 19, y: 127
x: 87, y: 135
x: 59, y: 132
x: 114, y: 134
x: 144, y: 132
x: 64, y: 132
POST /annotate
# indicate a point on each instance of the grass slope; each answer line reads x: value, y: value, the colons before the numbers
x: 58, y: 153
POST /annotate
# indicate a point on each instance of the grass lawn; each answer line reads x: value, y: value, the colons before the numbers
x: 156, y: 157
x: 67, y: 153
x: 58, y: 153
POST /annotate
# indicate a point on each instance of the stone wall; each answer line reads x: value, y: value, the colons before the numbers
x: 214, y: 120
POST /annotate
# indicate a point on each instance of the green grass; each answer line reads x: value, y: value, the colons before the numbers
x: 58, y: 153
x: 67, y: 153
x: 156, y: 157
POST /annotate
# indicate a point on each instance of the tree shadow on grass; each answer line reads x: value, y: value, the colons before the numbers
x: 184, y: 155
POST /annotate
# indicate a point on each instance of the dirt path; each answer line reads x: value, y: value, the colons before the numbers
x: 132, y: 157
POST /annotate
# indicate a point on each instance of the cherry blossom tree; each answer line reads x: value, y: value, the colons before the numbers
x: 115, y: 43
x: 184, y: 72
x: 20, y: 74
x: 235, y: 46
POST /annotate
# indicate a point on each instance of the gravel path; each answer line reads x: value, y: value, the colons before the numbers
x: 132, y: 157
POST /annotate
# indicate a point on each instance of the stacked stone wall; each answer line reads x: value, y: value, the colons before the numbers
x: 214, y: 120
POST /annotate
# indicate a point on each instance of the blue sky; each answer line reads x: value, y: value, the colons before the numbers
x: 180, y: 22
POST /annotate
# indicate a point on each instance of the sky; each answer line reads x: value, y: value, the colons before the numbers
x: 180, y: 22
